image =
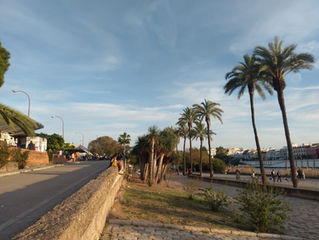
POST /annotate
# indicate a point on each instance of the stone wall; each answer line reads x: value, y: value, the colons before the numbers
x: 36, y: 158
x: 82, y: 216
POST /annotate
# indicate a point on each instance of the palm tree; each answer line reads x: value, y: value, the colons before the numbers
x: 247, y: 75
x: 205, y: 110
x: 17, y: 121
x: 201, y: 134
x: 152, y: 135
x: 277, y: 61
x: 9, y: 116
x: 124, y: 139
x: 182, y: 132
x: 188, y: 116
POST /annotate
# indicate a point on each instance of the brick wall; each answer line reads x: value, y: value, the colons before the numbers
x: 36, y: 158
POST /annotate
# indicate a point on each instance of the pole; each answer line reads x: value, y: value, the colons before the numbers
x: 62, y: 121
x: 29, y: 99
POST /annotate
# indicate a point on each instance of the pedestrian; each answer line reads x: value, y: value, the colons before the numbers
x: 303, y: 174
x: 237, y: 174
x: 278, y: 176
x: 299, y: 174
x: 272, y: 173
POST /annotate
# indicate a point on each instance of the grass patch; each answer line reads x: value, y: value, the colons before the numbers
x: 140, y: 202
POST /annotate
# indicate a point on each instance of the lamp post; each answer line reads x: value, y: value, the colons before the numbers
x: 82, y: 138
x: 15, y: 91
x: 62, y: 121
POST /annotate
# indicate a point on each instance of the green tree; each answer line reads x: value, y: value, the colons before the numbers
x: 8, y: 115
x: 188, y: 117
x: 124, y: 140
x: 4, y: 63
x: 104, y: 146
x: 152, y: 136
x: 276, y: 62
x: 160, y: 157
x: 205, y: 110
x: 247, y: 75
x: 54, y: 141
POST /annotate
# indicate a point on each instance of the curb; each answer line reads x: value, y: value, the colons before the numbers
x: 29, y: 170
x: 201, y: 229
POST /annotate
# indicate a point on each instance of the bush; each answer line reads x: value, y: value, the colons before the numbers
x: 21, y: 158
x: 191, y: 187
x: 218, y: 165
x: 4, y: 153
x: 263, y: 208
x: 217, y: 200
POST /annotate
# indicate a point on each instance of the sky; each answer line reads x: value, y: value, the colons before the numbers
x: 108, y: 67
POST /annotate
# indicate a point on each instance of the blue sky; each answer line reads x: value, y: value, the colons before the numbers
x: 112, y: 66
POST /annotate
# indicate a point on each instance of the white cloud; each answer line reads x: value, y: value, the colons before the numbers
x: 295, y: 22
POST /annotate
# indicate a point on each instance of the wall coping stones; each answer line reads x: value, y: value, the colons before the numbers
x: 201, y: 229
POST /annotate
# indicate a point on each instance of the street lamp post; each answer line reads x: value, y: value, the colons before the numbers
x: 62, y: 121
x: 82, y: 138
x: 15, y: 91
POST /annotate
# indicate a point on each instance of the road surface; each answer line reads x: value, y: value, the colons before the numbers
x: 25, y: 197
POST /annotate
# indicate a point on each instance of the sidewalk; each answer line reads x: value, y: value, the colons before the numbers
x: 308, y: 189
x: 30, y: 169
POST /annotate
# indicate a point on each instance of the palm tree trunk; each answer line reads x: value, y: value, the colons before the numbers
x: 261, y: 162
x: 159, y: 169
x: 190, y: 154
x: 184, y: 159
x: 200, y: 159
x: 151, y: 162
x: 209, y: 151
x: 281, y: 101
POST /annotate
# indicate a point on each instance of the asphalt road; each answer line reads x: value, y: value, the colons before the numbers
x: 25, y: 197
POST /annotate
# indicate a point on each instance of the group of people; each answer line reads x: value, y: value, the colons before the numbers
x: 275, y: 175
x: 117, y: 162
x: 301, y: 174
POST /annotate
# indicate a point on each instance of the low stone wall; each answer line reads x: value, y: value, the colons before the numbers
x: 82, y: 216
x: 36, y: 158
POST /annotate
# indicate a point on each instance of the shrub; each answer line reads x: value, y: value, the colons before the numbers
x: 4, y: 153
x: 191, y: 187
x: 218, y: 165
x: 263, y: 208
x: 217, y: 200
x: 21, y: 158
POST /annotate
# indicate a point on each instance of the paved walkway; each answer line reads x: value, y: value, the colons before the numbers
x: 129, y: 230
x: 309, y: 183
x: 304, y: 217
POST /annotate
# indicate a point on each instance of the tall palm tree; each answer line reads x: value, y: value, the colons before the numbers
x: 182, y: 132
x: 9, y: 116
x: 188, y: 116
x: 247, y: 75
x: 124, y: 139
x: 17, y: 121
x: 205, y: 110
x: 201, y: 133
x: 278, y: 61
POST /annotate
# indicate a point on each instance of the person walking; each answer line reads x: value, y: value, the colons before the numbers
x: 273, y: 175
x: 278, y: 176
